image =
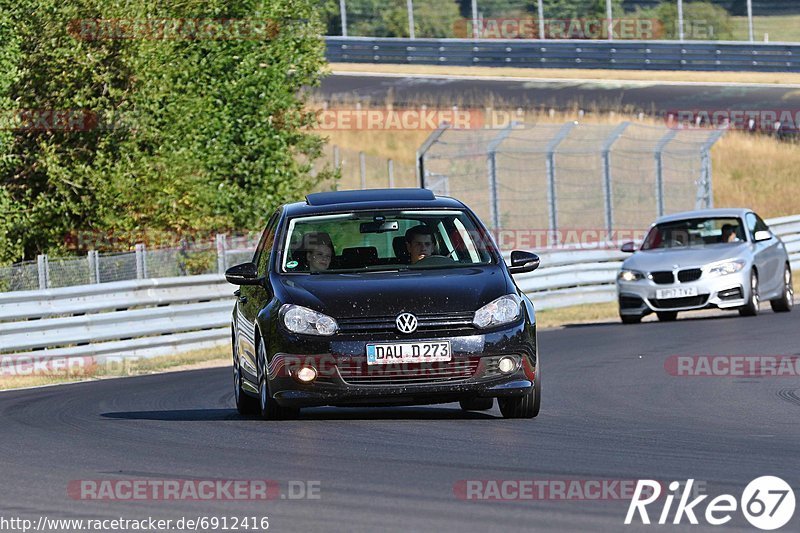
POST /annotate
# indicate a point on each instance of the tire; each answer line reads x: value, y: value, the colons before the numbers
x: 267, y: 407
x: 477, y: 404
x: 751, y: 307
x: 667, y: 316
x: 630, y: 319
x: 245, y: 404
x: 785, y: 303
x: 524, y: 406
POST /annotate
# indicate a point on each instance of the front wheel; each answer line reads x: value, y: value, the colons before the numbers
x: 268, y: 407
x: 785, y: 303
x: 245, y: 404
x: 525, y: 406
x: 751, y: 307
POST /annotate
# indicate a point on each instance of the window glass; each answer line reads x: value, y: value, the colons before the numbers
x: 264, y: 248
x: 385, y: 240
x: 695, y: 232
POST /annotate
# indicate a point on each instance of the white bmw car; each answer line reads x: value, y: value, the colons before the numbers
x: 723, y: 258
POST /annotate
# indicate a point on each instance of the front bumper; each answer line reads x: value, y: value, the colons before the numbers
x: 345, y: 379
x: 723, y: 292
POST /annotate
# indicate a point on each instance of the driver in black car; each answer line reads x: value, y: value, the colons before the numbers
x: 420, y: 242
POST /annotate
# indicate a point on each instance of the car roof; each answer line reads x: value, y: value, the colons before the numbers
x: 738, y: 212
x: 371, y: 199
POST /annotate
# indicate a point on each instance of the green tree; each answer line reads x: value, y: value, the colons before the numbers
x: 218, y: 130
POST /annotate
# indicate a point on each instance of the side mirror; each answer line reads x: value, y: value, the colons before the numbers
x: 762, y: 235
x: 523, y: 262
x: 628, y: 247
x: 244, y: 274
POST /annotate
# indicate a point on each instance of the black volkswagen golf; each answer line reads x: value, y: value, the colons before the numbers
x: 382, y: 297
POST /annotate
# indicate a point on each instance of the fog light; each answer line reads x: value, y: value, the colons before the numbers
x: 507, y: 364
x: 307, y: 374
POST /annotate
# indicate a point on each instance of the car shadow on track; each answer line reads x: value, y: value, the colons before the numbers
x: 682, y: 318
x: 315, y: 413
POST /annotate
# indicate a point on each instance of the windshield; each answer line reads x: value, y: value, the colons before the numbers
x: 695, y: 232
x: 385, y: 240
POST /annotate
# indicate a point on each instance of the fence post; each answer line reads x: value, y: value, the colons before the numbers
x: 141, y: 266
x: 337, y: 165
x: 659, y: 150
x: 43, y: 268
x: 705, y: 189
x: 222, y: 248
x: 607, y: 190
x: 410, y: 7
x: 362, y: 169
x: 423, y: 150
x: 390, y: 170
x: 550, y: 165
x: 491, y: 164
x: 343, y: 14
x: 94, y: 266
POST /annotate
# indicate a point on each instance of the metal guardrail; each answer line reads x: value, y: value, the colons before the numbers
x: 150, y: 317
x: 623, y: 55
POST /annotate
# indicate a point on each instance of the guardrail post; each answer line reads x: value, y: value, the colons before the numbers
x: 491, y: 163
x: 423, y: 151
x: 390, y: 170
x: 141, y: 262
x: 222, y: 248
x: 607, y: 190
x: 550, y: 165
x: 44, y: 271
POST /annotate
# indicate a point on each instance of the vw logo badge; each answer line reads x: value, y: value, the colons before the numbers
x: 406, y: 323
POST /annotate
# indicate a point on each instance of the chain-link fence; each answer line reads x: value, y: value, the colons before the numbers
x: 554, y: 177
x: 702, y: 20
x: 186, y: 259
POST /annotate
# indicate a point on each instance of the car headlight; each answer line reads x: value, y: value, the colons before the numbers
x: 500, y: 311
x: 298, y: 319
x: 722, y: 269
x: 630, y: 275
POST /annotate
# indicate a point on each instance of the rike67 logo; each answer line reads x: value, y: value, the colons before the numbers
x: 767, y: 503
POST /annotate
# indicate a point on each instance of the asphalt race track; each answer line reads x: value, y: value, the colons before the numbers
x: 610, y: 411
x: 648, y: 97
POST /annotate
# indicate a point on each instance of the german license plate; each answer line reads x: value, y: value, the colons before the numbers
x: 679, y: 292
x: 408, y: 352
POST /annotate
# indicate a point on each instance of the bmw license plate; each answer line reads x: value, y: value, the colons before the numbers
x: 408, y: 352
x: 679, y: 292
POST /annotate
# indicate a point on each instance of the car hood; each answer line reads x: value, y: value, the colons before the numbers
x: 390, y: 293
x: 666, y: 259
